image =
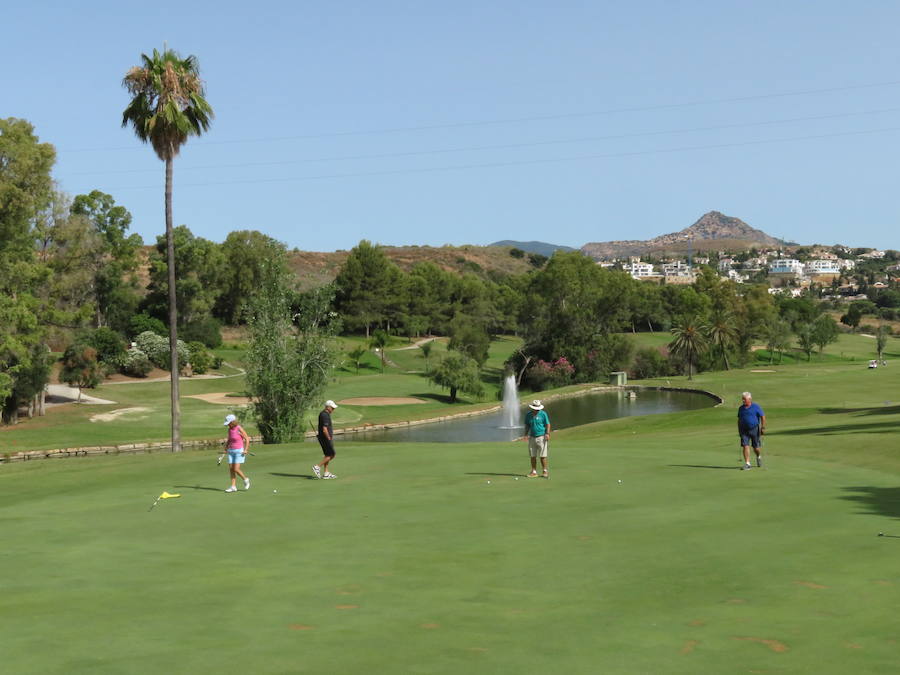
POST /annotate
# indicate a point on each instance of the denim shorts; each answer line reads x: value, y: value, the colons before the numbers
x: 236, y: 456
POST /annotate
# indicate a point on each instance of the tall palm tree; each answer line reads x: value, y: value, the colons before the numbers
x: 722, y: 332
x: 167, y: 107
x: 689, y: 341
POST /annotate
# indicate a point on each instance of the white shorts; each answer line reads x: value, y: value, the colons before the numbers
x: 538, y: 446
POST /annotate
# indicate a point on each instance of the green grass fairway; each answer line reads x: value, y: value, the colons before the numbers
x: 412, y: 562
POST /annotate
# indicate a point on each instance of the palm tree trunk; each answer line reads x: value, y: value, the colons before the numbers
x: 725, y: 356
x: 173, y: 312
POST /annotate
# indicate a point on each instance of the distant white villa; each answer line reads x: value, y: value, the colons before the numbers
x: 638, y: 269
x: 826, y: 266
x: 786, y: 266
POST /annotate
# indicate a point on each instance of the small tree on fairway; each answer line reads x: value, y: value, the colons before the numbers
x: 166, y: 108
x: 853, y: 316
x: 426, y: 352
x: 458, y: 372
x: 806, y: 339
x: 356, y: 356
x: 777, y: 333
x: 80, y: 367
x: 689, y: 341
x: 825, y: 331
x: 378, y: 342
x: 288, y: 361
x: 881, y: 337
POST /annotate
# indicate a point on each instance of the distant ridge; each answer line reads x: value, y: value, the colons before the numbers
x: 541, y: 247
x: 713, y: 231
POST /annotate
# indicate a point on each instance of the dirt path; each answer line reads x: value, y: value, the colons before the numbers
x: 59, y: 394
x: 211, y: 376
x: 222, y: 398
x: 415, y: 345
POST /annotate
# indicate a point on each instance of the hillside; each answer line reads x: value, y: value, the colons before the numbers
x: 315, y: 268
x: 540, y: 247
x: 713, y: 231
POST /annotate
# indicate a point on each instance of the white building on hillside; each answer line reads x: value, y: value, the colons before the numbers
x: 786, y: 266
x: 725, y: 264
x: 638, y: 269
x: 827, y: 266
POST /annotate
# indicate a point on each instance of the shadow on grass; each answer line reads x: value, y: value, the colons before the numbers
x: 702, y: 466
x: 487, y: 473
x: 879, y: 410
x: 874, y: 427
x: 882, y: 501
x: 197, y: 487
x: 308, y: 476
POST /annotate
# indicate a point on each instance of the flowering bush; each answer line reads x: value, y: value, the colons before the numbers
x: 134, y: 363
x: 156, y: 348
x: 549, y: 374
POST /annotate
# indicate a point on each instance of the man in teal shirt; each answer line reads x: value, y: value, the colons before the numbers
x: 537, y: 433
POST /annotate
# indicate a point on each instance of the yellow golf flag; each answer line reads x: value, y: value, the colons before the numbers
x: 166, y: 495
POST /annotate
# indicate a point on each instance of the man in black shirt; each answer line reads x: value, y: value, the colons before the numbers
x: 325, y: 434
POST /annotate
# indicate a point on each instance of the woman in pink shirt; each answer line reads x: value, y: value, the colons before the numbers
x: 236, y: 446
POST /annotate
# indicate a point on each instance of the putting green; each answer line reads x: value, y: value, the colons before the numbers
x: 435, y: 559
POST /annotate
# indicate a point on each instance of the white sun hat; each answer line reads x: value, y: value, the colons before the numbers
x: 229, y: 419
x: 330, y: 404
x: 536, y: 405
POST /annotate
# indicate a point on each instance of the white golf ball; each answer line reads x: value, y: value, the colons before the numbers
x: 620, y: 480
x: 517, y: 479
x: 489, y: 482
x: 274, y: 491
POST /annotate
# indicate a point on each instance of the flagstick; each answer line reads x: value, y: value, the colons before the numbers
x: 154, y: 503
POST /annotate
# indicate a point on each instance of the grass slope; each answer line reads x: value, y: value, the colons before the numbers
x: 413, y: 562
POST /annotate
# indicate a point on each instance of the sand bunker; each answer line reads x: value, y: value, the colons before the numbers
x: 116, y: 414
x: 222, y: 398
x: 380, y: 400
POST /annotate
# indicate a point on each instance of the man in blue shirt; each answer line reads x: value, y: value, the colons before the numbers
x: 537, y: 433
x: 751, y: 426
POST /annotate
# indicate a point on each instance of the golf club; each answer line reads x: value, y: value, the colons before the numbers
x: 154, y: 504
x: 892, y: 536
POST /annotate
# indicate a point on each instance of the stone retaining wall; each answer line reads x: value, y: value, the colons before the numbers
x: 162, y: 446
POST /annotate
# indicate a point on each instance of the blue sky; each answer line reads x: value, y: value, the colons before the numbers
x: 469, y: 122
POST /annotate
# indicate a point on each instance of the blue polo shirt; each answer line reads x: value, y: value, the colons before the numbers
x: 749, y: 416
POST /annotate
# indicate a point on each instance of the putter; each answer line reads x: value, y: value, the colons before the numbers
x: 154, y: 504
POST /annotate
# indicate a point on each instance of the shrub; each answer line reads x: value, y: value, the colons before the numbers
x: 156, y: 348
x: 135, y: 363
x: 108, y: 343
x: 517, y: 252
x: 208, y: 331
x: 648, y: 362
x: 550, y: 374
x: 141, y: 323
x: 201, y: 358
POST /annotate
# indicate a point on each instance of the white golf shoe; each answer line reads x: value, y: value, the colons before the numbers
x: 231, y: 489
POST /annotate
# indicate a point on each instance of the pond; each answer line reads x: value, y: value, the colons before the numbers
x: 564, y: 413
